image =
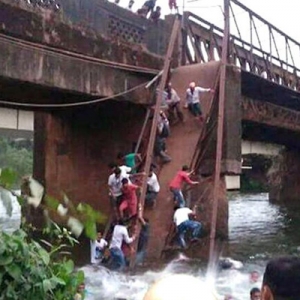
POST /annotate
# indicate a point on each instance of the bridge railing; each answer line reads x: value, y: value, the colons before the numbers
x: 263, y: 50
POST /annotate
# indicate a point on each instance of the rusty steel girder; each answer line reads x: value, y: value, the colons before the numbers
x: 203, y: 42
x: 270, y: 114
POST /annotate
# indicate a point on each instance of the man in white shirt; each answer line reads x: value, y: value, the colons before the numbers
x: 193, y: 99
x: 120, y: 235
x: 153, y: 188
x: 97, y: 249
x: 115, y: 189
x: 183, y: 224
x: 173, y: 101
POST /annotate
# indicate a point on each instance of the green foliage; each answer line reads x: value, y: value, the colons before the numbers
x: 41, y: 270
x: 28, y: 271
x: 18, y: 157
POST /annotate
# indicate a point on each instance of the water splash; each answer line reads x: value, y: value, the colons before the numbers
x: 104, y: 284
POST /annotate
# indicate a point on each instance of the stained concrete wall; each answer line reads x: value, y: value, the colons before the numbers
x: 112, y: 20
x: 49, y: 28
x: 73, y: 149
x: 69, y: 74
x: 284, y: 178
x: 232, y: 130
x: 77, y: 71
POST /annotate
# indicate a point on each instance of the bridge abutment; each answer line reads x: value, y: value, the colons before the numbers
x: 74, y: 147
x: 284, y: 178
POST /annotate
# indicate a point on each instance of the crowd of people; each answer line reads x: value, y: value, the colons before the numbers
x: 281, y: 279
x: 124, y: 184
x: 150, y: 10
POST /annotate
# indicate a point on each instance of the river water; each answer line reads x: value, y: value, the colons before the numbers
x: 258, y: 231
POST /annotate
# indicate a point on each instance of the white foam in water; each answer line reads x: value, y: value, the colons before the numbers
x: 104, y: 284
x: 10, y: 223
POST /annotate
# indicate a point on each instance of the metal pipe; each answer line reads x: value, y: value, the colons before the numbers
x: 138, y: 144
x: 149, y: 155
x: 220, y: 127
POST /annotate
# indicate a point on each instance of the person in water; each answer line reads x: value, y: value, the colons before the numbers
x: 255, y: 294
x: 281, y: 279
x: 254, y: 277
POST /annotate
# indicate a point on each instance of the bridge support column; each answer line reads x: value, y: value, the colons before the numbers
x: 284, y: 177
x: 74, y: 147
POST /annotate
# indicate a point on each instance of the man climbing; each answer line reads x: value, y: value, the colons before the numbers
x: 160, y: 150
x: 173, y: 102
x: 115, y: 189
x: 163, y: 126
x: 131, y: 160
x: 143, y: 240
x: 184, y: 221
x: 193, y: 99
x: 176, y: 185
x: 153, y: 188
x: 125, y: 171
x: 120, y: 235
x: 163, y: 132
x: 129, y: 201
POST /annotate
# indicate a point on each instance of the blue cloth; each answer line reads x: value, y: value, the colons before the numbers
x: 188, y: 225
x: 195, y: 109
x: 118, y: 261
x: 178, y: 197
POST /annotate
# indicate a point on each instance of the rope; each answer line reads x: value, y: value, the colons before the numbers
x: 59, y: 105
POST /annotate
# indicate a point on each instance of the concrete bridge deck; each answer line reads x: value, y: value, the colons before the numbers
x: 47, y: 59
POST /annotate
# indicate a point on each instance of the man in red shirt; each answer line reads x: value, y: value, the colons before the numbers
x: 129, y: 198
x: 176, y: 184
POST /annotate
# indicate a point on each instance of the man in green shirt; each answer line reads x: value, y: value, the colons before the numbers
x: 131, y: 160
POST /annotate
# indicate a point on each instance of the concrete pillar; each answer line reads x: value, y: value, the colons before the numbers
x: 232, y: 139
x: 74, y: 147
x: 284, y: 177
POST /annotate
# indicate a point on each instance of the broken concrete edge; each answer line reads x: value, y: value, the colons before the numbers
x: 50, y: 28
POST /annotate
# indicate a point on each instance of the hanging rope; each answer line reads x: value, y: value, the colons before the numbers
x: 63, y: 105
